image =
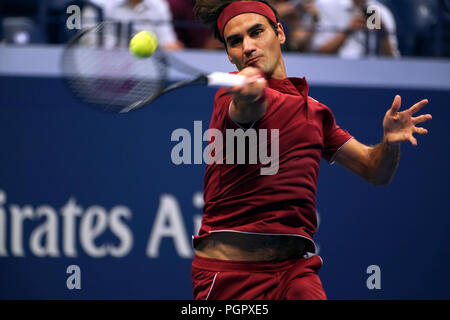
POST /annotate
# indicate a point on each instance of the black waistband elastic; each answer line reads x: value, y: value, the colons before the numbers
x: 248, y: 266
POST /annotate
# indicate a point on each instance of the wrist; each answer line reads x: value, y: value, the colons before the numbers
x: 390, y: 144
x: 261, y: 99
x: 315, y: 17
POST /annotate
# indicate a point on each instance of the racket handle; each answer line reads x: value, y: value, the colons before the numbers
x: 222, y: 79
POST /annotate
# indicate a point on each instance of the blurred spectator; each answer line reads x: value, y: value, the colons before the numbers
x: 342, y: 30
x: 22, y: 21
x: 299, y: 18
x: 445, y: 28
x: 189, y: 29
x: 153, y: 15
x: 420, y: 26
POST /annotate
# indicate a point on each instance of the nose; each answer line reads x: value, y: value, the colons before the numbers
x: 248, y: 46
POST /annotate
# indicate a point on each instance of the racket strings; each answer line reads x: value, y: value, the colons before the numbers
x: 107, y: 75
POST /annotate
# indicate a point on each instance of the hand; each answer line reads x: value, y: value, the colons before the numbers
x: 252, y: 89
x: 284, y: 9
x: 357, y: 23
x: 400, y: 126
x: 174, y: 46
x: 310, y: 7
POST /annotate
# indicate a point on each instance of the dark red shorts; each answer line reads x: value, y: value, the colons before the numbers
x: 295, y: 279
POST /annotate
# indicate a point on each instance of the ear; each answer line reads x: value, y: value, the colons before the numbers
x: 226, y: 50
x: 281, y: 34
x: 229, y: 57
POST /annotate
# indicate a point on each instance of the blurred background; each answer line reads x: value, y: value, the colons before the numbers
x: 417, y: 28
x: 79, y: 187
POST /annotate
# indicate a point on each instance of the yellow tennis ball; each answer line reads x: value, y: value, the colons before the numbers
x: 143, y: 44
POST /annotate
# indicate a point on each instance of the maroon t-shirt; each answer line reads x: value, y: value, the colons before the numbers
x: 239, y: 198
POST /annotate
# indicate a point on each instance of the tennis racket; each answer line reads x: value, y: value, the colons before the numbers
x: 100, y: 71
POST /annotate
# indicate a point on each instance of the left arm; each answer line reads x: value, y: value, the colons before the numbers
x: 386, y: 47
x: 377, y: 164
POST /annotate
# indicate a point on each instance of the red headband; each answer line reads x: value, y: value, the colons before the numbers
x: 240, y: 7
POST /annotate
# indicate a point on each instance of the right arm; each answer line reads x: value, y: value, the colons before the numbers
x: 249, y: 103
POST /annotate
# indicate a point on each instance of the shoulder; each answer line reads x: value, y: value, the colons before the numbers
x: 317, y: 106
x: 319, y: 112
x: 386, y: 14
x: 332, y: 5
x: 326, y: 3
x: 221, y: 102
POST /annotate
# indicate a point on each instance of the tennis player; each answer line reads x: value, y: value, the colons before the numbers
x: 256, y: 237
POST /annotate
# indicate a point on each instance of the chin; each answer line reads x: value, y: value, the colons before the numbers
x: 257, y: 66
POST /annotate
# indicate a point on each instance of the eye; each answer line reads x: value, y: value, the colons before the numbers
x: 235, y: 42
x: 256, y: 32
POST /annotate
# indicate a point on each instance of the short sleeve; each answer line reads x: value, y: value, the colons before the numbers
x: 219, y: 118
x: 334, y: 137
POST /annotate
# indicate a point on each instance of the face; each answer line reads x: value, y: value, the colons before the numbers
x: 251, y: 41
x: 134, y: 2
x: 360, y: 3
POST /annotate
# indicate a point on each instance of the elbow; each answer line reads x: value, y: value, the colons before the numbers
x: 379, y: 181
x: 325, y: 50
x: 376, y: 179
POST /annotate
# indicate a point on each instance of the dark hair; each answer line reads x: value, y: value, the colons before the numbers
x: 208, y: 11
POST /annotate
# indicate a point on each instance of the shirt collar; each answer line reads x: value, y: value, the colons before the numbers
x: 291, y: 85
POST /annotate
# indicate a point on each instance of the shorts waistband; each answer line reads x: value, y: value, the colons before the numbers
x: 248, y: 266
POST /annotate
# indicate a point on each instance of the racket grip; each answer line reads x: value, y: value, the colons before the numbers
x: 222, y: 79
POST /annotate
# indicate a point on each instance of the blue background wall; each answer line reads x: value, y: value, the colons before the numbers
x: 53, y: 149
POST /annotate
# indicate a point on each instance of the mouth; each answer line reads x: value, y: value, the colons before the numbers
x: 252, y: 61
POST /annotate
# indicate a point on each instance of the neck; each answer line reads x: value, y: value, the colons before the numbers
x: 134, y: 3
x: 279, y: 72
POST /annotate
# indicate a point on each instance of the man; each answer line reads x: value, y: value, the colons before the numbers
x: 342, y: 29
x: 256, y: 238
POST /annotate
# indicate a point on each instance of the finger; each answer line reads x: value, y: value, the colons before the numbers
x: 422, y: 118
x: 419, y: 105
x: 238, y: 89
x: 255, y: 78
x: 413, y: 141
x: 232, y: 91
x: 227, y: 92
x: 420, y: 130
x: 250, y: 85
x: 261, y: 80
x: 396, y: 104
